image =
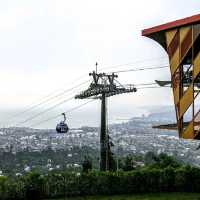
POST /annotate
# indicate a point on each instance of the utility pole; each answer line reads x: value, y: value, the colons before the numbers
x: 104, y: 86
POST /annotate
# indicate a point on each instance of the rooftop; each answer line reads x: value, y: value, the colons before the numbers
x: 170, y: 25
x: 157, y: 33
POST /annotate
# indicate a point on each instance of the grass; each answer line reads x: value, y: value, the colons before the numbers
x: 162, y: 196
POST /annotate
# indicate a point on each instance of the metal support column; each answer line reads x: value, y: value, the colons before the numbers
x: 104, y: 86
x: 103, y: 141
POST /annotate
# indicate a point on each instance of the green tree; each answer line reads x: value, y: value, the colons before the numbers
x: 167, y: 161
x: 34, y: 186
x: 128, y: 164
x: 150, y: 158
x: 86, y: 165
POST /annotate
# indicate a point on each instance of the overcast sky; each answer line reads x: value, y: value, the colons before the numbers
x: 47, y: 44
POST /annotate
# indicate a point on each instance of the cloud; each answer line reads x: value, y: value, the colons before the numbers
x: 46, y: 44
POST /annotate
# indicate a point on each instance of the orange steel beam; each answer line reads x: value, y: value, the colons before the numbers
x: 181, y: 40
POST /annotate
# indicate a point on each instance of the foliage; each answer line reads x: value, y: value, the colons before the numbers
x: 87, y: 165
x: 58, y: 185
x: 12, y: 163
x: 128, y: 164
x: 162, y: 196
x: 160, y: 161
x: 162, y: 173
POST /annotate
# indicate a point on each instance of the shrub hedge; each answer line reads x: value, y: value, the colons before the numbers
x: 56, y: 184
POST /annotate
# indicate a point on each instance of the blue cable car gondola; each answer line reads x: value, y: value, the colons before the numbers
x: 62, y: 126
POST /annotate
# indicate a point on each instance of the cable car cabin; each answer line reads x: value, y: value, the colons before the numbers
x: 62, y: 127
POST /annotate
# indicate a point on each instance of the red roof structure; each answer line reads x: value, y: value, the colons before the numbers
x: 181, y: 22
x: 157, y: 33
x: 181, y: 40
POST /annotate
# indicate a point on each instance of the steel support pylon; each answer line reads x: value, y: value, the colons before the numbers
x: 103, y: 135
x: 102, y: 87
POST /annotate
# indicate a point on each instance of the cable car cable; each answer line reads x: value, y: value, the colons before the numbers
x: 48, y: 109
x: 115, y: 66
x: 47, y: 100
x: 132, y: 63
x: 140, y: 69
x: 153, y: 87
x: 62, y: 102
x: 56, y: 116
